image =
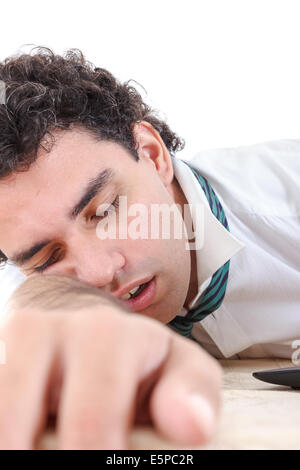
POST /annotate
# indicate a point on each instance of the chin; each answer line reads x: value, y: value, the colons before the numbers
x: 155, y: 312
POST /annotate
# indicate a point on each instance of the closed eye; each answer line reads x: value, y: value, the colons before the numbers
x: 53, y: 259
x: 57, y: 255
x: 115, y: 204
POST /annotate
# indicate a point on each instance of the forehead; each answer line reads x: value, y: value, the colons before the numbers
x: 52, y: 184
x: 75, y: 157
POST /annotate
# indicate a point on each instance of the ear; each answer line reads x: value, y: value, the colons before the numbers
x: 152, y: 150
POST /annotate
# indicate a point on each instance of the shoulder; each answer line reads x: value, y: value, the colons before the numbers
x: 261, y: 178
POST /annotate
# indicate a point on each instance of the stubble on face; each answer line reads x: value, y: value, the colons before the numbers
x: 45, y: 192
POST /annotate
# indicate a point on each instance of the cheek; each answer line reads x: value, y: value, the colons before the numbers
x: 178, y: 261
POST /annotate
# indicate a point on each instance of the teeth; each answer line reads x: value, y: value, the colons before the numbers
x: 132, y: 291
x: 125, y: 296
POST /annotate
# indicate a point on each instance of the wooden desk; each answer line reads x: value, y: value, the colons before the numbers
x: 255, y: 414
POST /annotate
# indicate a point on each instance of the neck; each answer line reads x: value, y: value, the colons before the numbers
x: 193, y: 286
x: 179, y: 198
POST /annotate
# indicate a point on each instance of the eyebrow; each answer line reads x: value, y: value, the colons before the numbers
x: 92, y: 189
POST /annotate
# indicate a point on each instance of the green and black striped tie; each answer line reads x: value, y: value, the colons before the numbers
x: 215, y: 292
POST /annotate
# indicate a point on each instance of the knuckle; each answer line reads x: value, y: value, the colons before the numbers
x: 28, y: 329
x: 93, y: 323
x: 91, y: 335
x: 210, y: 371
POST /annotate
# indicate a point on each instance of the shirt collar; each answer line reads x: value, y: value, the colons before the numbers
x: 217, y: 244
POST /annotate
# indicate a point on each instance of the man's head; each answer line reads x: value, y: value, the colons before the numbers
x: 65, y: 123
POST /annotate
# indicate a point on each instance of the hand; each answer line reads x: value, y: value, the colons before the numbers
x: 100, y: 369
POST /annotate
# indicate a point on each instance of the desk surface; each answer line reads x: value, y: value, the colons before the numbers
x: 254, y: 415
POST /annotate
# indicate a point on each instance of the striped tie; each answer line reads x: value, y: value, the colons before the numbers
x: 215, y: 292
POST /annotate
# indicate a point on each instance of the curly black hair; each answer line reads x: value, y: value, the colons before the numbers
x: 45, y: 92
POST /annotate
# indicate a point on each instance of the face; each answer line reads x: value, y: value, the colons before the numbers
x: 36, y: 208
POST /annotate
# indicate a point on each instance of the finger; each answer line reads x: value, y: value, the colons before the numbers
x: 98, y: 400
x: 23, y: 379
x: 186, y: 401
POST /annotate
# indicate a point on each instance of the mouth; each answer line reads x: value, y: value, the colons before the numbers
x: 141, y: 296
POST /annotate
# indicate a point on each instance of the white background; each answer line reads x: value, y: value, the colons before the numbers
x: 223, y: 73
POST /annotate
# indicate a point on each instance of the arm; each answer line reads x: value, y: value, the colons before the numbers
x: 100, y: 369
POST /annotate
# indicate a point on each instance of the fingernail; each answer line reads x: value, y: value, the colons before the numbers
x: 203, y: 414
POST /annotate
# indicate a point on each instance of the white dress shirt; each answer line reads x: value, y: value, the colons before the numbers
x: 259, y: 189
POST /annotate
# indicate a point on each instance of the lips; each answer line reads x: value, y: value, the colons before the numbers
x: 144, y: 299
x: 126, y: 289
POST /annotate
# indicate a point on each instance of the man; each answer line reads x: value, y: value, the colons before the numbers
x: 73, y: 348
x: 112, y: 362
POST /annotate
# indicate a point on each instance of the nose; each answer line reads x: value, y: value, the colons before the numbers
x: 101, y: 269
